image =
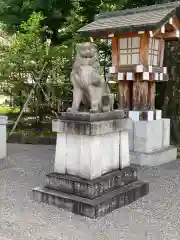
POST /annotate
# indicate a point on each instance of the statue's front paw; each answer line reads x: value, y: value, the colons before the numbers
x: 106, y: 109
x: 72, y: 110
x: 94, y: 110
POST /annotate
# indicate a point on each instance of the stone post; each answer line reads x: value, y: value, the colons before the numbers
x: 92, y: 173
x: 150, y: 139
x: 3, y: 145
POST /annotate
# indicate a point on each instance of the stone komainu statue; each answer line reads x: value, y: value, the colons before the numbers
x: 88, y: 86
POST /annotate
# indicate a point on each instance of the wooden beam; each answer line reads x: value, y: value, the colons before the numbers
x: 144, y: 46
x: 111, y: 35
x: 141, y: 32
x: 169, y: 35
x: 175, y: 22
x: 172, y: 21
x: 128, y: 35
x: 163, y: 29
x: 154, y: 32
x: 140, y: 69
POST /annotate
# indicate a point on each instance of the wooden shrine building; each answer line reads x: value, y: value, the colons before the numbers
x: 138, y: 38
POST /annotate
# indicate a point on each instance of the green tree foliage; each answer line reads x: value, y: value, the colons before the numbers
x: 13, y: 12
x: 29, y: 60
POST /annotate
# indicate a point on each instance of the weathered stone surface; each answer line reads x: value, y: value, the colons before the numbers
x: 92, y: 117
x: 124, y: 159
x: 155, y: 158
x: 166, y: 132
x: 90, y: 128
x: 131, y: 136
x: 82, y: 144
x: 90, y: 157
x: 150, y: 142
x: 148, y: 136
x: 93, y: 208
x: 91, y: 188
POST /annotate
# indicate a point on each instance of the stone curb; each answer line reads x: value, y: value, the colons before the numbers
x: 35, y: 140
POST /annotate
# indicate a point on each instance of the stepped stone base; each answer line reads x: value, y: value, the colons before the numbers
x: 93, y: 208
x: 154, y: 158
x: 92, y: 198
x: 91, y: 188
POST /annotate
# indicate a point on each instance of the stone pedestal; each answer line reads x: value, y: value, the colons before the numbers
x: 90, y: 149
x: 149, y: 139
x: 92, y: 173
x: 3, y: 145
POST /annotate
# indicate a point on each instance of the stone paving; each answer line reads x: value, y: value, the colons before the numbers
x: 155, y: 217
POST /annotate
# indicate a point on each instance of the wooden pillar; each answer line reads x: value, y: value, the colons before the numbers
x: 144, y: 49
x: 144, y: 95
x: 121, y: 95
x: 124, y: 95
x: 151, y: 97
x: 116, y: 62
x: 123, y: 87
x: 140, y: 87
x: 115, y: 53
x: 137, y: 93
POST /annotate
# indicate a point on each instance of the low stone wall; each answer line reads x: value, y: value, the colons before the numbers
x: 35, y: 140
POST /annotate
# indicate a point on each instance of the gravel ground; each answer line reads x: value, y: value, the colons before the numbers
x: 154, y: 217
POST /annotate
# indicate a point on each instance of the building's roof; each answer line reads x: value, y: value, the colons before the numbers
x: 132, y: 20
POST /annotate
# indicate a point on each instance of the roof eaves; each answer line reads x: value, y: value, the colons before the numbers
x: 129, y: 29
x: 166, y: 18
x: 120, y: 30
x: 173, y: 5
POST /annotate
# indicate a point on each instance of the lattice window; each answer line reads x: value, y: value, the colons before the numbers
x: 154, y: 48
x: 129, y: 50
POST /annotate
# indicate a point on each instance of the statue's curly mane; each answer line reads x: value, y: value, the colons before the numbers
x: 82, y: 59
